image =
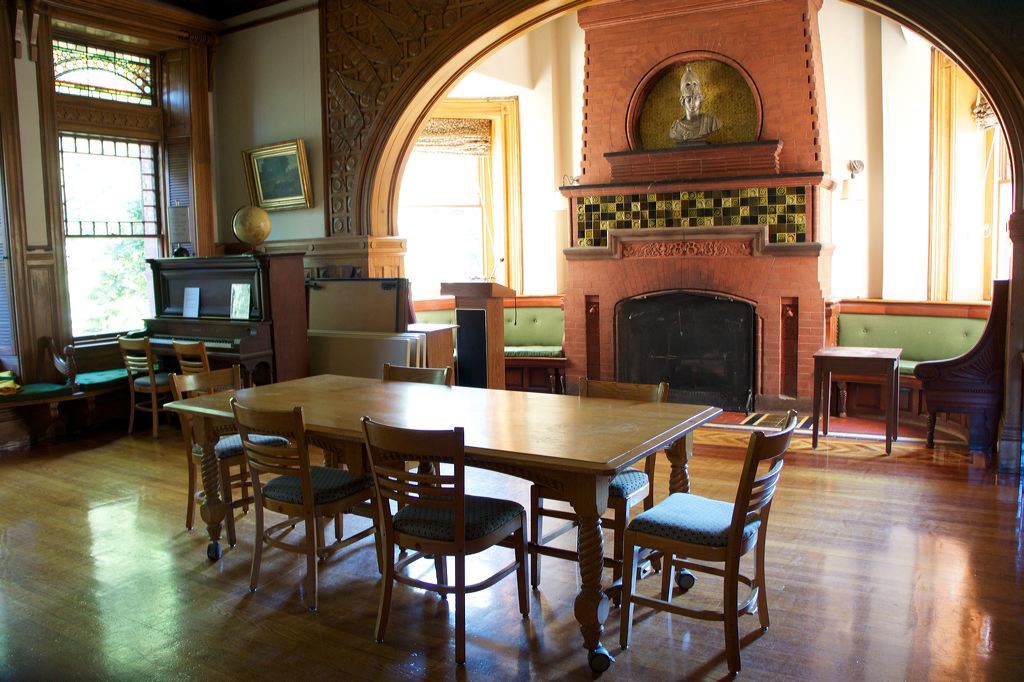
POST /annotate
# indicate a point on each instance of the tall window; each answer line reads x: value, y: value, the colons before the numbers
x: 971, y: 189
x: 108, y: 189
x: 458, y: 206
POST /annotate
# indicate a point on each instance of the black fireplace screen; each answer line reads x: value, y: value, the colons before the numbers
x: 703, y: 345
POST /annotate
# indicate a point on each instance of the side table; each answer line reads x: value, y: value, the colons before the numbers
x: 884, y: 362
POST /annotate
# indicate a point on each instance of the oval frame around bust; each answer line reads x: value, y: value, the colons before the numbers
x: 650, y: 101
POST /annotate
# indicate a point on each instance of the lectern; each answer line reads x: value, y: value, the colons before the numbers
x: 486, y: 296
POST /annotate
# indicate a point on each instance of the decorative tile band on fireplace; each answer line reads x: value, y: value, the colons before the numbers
x: 782, y: 209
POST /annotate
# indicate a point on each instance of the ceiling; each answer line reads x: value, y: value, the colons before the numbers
x: 221, y: 9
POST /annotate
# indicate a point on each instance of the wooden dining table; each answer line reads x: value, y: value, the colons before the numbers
x: 574, y: 445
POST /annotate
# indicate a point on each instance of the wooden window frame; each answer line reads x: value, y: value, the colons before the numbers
x: 503, y: 113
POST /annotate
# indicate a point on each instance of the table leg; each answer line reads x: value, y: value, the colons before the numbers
x: 213, y: 510
x: 826, y: 402
x: 589, y: 499
x: 679, y: 454
x: 896, y: 401
x: 889, y: 417
x: 816, y: 413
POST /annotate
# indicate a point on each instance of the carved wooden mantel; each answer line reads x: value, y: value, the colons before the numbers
x: 674, y: 242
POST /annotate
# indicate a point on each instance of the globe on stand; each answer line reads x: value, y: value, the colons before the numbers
x: 251, y: 225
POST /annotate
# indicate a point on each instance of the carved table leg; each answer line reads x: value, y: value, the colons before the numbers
x: 679, y: 454
x: 213, y: 509
x: 589, y: 498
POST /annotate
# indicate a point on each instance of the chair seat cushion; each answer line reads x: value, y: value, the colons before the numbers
x: 627, y: 482
x: 101, y: 378
x: 231, y: 446
x: 484, y: 515
x: 162, y: 379
x: 329, y: 485
x: 691, y: 518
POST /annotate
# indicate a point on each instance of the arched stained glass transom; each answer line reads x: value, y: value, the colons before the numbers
x: 102, y: 74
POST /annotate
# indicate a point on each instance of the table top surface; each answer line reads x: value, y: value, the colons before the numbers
x: 867, y: 352
x: 590, y: 435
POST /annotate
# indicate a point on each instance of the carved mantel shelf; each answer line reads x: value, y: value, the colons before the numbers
x: 674, y: 242
x: 703, y: 161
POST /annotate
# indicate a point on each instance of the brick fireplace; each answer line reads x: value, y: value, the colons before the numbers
x: 742, y: 219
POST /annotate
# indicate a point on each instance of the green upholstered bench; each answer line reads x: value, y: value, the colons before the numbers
x: 534, y: 359
x: 37, y: 403
x: 922, y: 337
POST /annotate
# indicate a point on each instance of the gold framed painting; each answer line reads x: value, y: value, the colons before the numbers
x: 278, y: 176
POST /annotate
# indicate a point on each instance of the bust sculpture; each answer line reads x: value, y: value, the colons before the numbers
x: 695, y: 125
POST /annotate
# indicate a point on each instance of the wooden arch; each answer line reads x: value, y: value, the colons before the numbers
x: 369, y: 132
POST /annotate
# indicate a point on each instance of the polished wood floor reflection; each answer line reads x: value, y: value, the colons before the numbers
x: 879, y: 568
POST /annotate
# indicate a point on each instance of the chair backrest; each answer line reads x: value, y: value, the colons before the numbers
x: 275, y: 460
x: 192, y: 356
x: 190, y: 385
x: 441, y: 376
x: 391, y: 447
x: 652, y: 393
x: 137, y: 355
x: 185, y: 386
x: 761, y: 470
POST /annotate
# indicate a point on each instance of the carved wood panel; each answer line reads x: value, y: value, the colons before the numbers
x: 368, y: 47
x: 107, y: 118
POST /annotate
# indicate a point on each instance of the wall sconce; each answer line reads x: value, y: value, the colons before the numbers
x: 847, y: 190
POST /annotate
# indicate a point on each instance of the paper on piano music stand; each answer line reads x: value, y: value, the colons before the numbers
x: 190, y: 304
x: 240, y: 295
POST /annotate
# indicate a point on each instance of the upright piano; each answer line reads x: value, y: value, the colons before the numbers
x: 269, y: 343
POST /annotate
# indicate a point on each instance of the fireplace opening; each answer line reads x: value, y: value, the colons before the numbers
x: 702, y: 344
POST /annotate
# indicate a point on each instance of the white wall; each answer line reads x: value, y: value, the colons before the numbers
x: 906, y: 121
x: 266, y: 89
x: 878, y: 95
x: 850, y: 47
x: 544, y: 70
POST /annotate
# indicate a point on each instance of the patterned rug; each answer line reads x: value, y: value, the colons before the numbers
x: 773, y: 421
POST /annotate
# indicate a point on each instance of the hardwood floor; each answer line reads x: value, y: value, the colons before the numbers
x: 901, y: 567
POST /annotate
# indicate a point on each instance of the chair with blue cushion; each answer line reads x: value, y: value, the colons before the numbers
x: 436, y: 518
x: 229, y: 451
x: 284, y: 482
x: 693, y: 532
x: 625, y: 491
x: 143, y: 378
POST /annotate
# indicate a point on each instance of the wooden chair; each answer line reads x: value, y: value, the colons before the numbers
x: 143, y: 378
x: 192, y: 356
x: 229, y: 450
x: 304, y: 494
x: 693, y: 527
x: 441, y: 376
x: 625, y: 490
x: 437, y: 518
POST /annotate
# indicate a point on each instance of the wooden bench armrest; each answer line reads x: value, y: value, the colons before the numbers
x: 64, y: 362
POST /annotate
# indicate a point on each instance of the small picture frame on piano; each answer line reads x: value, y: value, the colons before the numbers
x: 240, y: 299
x: 190, y: 303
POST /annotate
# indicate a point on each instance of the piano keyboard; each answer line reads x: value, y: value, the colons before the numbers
x: 211, y: 343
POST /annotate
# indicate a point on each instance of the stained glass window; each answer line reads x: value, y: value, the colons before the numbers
x: 102, y: 74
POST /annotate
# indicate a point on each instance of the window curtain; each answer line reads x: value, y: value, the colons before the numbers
x: 466, y: 136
